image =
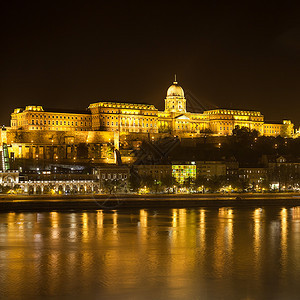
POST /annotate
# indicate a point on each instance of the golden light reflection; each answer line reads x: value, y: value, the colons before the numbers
x: 11, y: 224
x: 115, y: 219
x: 143, y: 218
x: 143, y: 229
x: 73, y: 220
x: 54, y: 225
x: 100, y: 219
x: 114, y: 233
x: 284, y: 229
x: 201, y: 242
x: 218, y: 253
x: 11, y: 217
x: 15, y: 234
x: 54, y: 219
x: 296, y: 213
x: 202, y: 231
x: 223, y: 241
x: 182, y: 217
x: 257, y: 218
x: 183, y: 237
x: 85, y: 226
x: 20, y: 223
x: 174, y: 230
x: 174, y: 218
x: 229, y: 230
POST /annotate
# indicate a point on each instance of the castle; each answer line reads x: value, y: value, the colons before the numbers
x: 93, y: 135
x: 146, y: 118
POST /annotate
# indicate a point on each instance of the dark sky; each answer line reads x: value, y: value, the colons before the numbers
x: 68, y: 54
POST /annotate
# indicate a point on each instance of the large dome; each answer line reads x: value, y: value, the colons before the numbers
x: 175, y: 90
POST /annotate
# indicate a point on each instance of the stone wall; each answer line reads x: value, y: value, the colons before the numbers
x: 56, y: 137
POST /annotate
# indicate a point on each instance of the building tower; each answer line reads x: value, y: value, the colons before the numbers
x: 175, y: 101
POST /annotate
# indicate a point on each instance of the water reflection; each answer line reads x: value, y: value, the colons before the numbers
x: 182, y: 253
x: 257, y: 240
x: 202, y: 232
x: 284, y: 236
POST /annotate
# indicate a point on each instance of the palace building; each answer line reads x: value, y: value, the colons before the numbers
x: 35, y: 118
x: 146, y: 118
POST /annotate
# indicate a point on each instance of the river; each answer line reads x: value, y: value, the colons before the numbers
x: 203, y: 253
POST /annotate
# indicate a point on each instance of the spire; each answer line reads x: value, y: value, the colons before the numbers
x: 175, y: 82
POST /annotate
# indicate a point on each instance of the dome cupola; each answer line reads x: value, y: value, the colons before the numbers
x: 175, y: 101
x: 175, y: 90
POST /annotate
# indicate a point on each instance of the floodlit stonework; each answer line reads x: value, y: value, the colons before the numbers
x: 145, y: 118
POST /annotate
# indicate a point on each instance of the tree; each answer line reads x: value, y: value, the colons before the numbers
x: 265, y: 184
x: 287, y: 129
x: 215, y: 183
x: 206, y: 131
x: 188, y: 183
x: 200, y: 181
x: 245, y: 134
x: 148, y: 181
x: 167, y: 182
x: 111, y: 186
x: 4, y: 189
x: 165, y: 129
x: 134, y: 181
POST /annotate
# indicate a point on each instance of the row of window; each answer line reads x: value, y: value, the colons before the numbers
x: 116, y: 124
x: 272, y: 127
x: 51, y: 128
x: 129, y: 112
x: 253, y: 171
x: 123, y: 118
x: 114, y: 176
x: 224, y: 128
x: 59, y: 117
x: 59, y: 123
x: 245, y: 113
x: 271, y: 131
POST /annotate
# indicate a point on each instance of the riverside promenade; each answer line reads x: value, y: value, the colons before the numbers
x: 115, y: 201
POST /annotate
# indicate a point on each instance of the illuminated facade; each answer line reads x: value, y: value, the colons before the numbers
x: 124, y: 117
x: 35, y: 118
x: 184, y: 171
x: 145, y: 118
x: 176, y: 119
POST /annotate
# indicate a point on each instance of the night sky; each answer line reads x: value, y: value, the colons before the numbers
x: 69, y: 54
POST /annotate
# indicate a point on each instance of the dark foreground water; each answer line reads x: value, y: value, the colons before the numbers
x: 151, y: 254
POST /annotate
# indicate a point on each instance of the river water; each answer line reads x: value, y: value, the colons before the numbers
x: 205, y: 253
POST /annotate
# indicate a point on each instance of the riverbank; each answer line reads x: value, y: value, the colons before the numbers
x: 95, y: 202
